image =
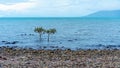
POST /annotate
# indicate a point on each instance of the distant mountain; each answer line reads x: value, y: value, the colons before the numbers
x: 106, y: 14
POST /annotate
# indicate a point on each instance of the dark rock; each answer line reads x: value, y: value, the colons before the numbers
x: 1, y: 66
x: 7, y: 43
x: 60, y: 42
x: 70, y: 40
x: 14, y: 47
x: 53, y: 41
x: 23, y: 34
x: 68, y: 49
x: 110, y: 46
x: 100, y: 45
x: 31, y: 34
x: 118, y: 46
x: 11, y: 48
x: 44, y: 47
x: 27, y: 63
x: 30, y: 48
x: 115, y: 49
x: 52, y: 52
x: 62, y: 47
x: 52, y: 47
x: 14, y: 42
x: 79, y: 49
x: 56, y: 47
x: 3, y: 41
x: 0, y: 56
x: 76, y: 39
x: 4, y: 58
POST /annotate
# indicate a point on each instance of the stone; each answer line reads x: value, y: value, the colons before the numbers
x: 14, y: 42
x: 7, y: 43
x: 76, y: 39
x: 4, y: 58
x: 70, y: 40
x: 3, y: 41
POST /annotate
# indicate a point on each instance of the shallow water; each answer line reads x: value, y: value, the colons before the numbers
x: 71, y: 32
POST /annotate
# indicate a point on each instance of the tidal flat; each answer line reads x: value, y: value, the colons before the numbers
x: 11, y: 57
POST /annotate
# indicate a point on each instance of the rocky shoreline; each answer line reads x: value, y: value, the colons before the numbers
x: 14, y: 57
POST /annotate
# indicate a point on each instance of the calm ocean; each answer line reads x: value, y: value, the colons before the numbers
x: 71, y: 32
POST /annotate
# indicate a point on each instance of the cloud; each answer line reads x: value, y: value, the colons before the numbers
x: 109, y: 5
x: 75, y: 7
x: 22, y: 6
x: 60, y: 8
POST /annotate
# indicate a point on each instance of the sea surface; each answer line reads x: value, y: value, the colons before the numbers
x: 85, y: 33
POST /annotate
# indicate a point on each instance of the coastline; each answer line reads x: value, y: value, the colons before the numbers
x: 11, y: 57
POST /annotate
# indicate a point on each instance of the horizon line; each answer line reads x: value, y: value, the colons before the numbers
x: 59, y: 17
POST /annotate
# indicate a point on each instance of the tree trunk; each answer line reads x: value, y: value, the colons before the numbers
x: 48, y: 37
x: 40, y: 37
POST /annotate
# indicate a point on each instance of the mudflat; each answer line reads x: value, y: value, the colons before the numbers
x: 58, y: 58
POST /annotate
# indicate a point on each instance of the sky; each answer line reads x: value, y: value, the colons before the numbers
x: 55, y: 8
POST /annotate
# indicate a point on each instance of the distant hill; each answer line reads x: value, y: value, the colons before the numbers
x: 106, y: 14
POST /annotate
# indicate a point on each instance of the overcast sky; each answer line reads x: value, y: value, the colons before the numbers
x: 55, y: 8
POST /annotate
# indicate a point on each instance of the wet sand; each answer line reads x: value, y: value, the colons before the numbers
x: 58, y: 58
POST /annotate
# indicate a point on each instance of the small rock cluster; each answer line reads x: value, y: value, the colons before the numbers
x: 7, y: 42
